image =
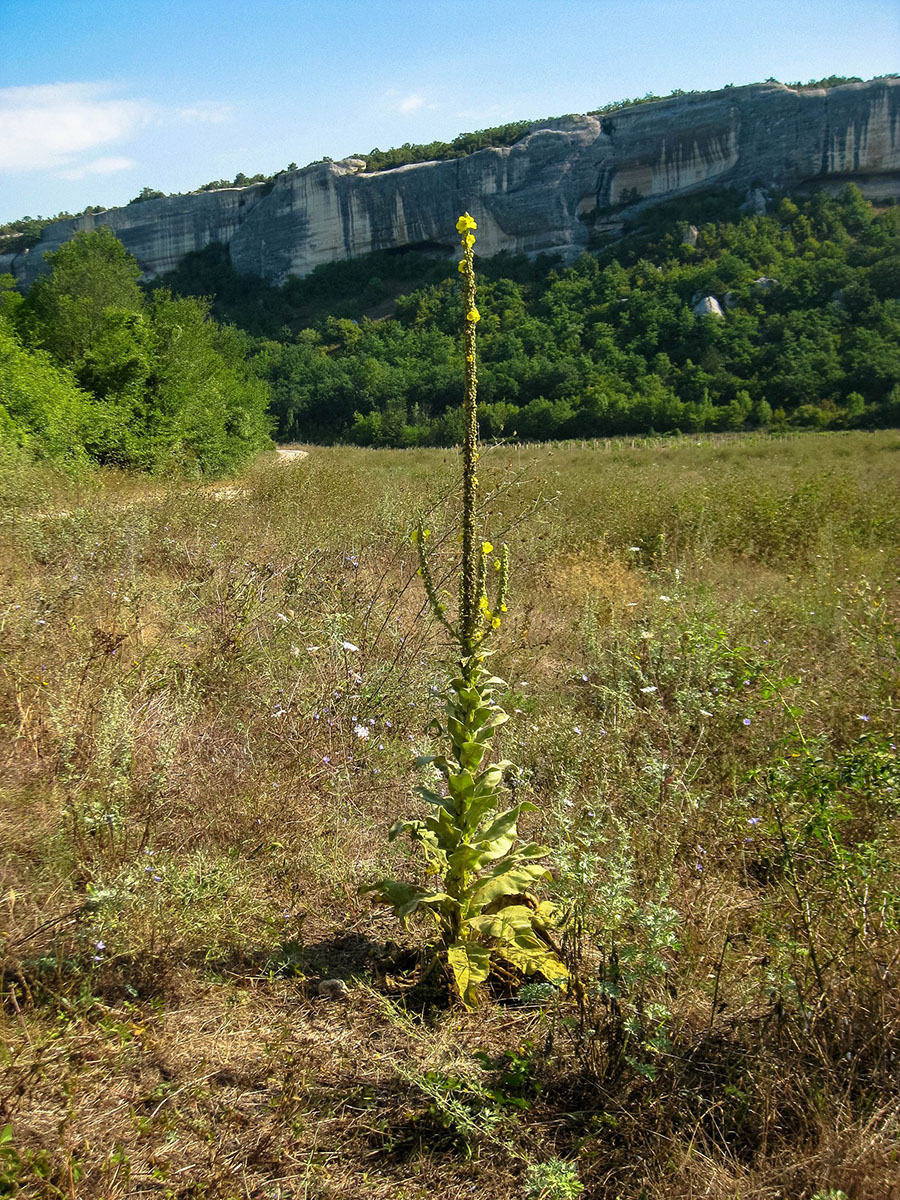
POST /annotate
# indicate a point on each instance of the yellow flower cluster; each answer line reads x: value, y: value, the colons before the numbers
x: 465, y: 223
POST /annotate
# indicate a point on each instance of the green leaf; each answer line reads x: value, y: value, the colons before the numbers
x: 428, y: 900
x: 534, y: 960
x: 413, y: 827
x: 470, y: 756
x: 405, y: 898
x: 430, y: 796
x: 392, y: 891
x: 503, y: 925
x: 445, y: 829
x: 461, y: 785
x: 491, y: 777
x: 505, y: 880
x: 471, y: 965
x: 501, y: 832
x: 480, y: 806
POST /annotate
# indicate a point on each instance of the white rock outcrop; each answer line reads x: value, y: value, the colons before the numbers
x: 545, y: 193
x: 707, y: 306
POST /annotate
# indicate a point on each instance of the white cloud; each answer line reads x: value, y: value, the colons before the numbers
x: 410, y: 104
x: 46, y: 127
x: 52, y: 126
x: 208, y: 112
x: 99, y: 166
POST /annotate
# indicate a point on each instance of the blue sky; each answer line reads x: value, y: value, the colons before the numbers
x: 99, y: 99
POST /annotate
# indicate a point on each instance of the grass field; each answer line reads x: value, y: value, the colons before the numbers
x: 211, y: 699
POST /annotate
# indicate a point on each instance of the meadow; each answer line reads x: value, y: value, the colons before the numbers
x: 211, y: 701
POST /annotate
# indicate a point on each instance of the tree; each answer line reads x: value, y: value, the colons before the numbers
x: 64, y: 311
x: 41, y: 409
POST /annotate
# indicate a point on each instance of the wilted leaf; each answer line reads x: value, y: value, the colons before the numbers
x: 471, y: 965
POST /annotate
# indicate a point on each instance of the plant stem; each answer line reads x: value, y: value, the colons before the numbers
x: 470, y: 549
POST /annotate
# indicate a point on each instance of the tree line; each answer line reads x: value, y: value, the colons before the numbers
x: 94, y: 369
x: 804, y: 332
x: 807, y: 335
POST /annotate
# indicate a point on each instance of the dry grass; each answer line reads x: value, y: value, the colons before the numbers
x: 188, y: 811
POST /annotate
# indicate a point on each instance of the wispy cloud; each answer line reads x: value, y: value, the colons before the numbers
x: 209, y: 112
x: 53, y: 126
x: 410, y: 104
x: 48, y: 126
x: 99, y: 166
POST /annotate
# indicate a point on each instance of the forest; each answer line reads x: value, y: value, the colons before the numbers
x: 92, y: 369
x: 808, y: 334
x: 702, y: 317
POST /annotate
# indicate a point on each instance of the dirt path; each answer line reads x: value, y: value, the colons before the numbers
x: 286, y: 453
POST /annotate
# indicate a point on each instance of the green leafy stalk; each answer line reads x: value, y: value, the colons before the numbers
x: 484, y: 906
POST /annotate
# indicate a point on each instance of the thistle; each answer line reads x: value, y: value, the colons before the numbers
x: 483, y: 909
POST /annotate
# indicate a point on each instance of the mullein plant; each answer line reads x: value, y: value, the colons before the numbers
x: 481, y: 903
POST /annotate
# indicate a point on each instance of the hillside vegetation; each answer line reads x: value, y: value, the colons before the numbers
x: 93, y: 370
x: 809, y: 334
x: 701, y: 318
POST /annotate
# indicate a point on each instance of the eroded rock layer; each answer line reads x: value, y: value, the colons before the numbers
x: 547, y: 192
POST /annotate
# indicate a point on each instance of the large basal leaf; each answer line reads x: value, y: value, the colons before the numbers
x: 509, y: 880
x: 504, y: 925
x: 427, y: 900
x: 471, y: 965
x: 534, y: 959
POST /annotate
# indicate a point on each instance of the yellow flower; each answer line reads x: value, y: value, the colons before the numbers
x: 486, y: 547
x: 469, y: 239
x: 503, y: 608
x: 495, y: 623
x: 473, y: 315
x: 465, y: 222
x: 414, y: 536
x: 461, y: 266
x: 470, y: 358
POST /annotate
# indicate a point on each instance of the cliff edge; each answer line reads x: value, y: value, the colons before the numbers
x: 545, y: 193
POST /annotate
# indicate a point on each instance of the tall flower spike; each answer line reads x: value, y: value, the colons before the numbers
x: 468, y: 843
x: 471, y: 556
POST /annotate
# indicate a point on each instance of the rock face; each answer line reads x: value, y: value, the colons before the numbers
x: 547, y: 192
x: 707, y: 306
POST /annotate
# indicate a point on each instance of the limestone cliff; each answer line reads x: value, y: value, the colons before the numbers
x: 546, y: 192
